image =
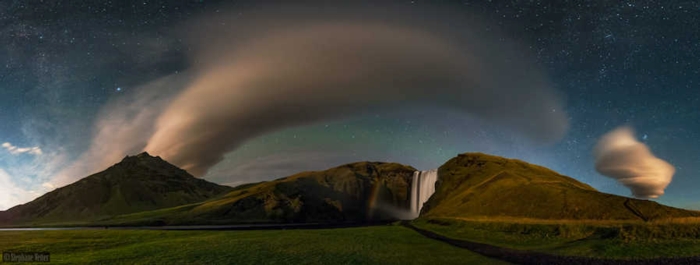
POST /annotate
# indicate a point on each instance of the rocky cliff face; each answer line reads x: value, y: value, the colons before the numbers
x: 354, y: 192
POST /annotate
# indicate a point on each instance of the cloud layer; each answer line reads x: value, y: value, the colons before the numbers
x: 273, y: 69
x: 22, y: 150
x: 620, y: 156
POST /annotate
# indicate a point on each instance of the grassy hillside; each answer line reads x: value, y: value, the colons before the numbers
x: 354, y: 192
x: 479, y: 185
x: 137, y: 183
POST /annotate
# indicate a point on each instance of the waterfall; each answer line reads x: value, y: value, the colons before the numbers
x: 422, y: 187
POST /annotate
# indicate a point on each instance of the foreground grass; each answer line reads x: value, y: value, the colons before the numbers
x: 364, y: 245
x: 601, y: 239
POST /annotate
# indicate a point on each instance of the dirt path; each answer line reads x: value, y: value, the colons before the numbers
x: 535, y: 258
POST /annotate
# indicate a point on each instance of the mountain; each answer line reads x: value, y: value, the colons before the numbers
x: 145, y: 190
x: 357, y: 192
x: 479, y: 185
x: 137, y: 183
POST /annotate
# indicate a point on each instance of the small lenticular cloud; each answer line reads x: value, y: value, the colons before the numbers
x: 619, y: 155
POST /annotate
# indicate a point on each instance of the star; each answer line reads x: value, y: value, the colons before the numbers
x: 613, y: 63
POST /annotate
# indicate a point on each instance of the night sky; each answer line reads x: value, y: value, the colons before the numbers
x: 65, y: 64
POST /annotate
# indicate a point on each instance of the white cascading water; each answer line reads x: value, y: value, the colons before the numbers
x: 422, y: 188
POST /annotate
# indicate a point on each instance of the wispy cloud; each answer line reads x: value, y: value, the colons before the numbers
x: 26, y: 177
x: 122, y: 128
x: 12, y: 194
x: 22, y: 150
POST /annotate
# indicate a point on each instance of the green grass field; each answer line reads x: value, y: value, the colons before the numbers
x: 389, y: 244
x: 600, y: 239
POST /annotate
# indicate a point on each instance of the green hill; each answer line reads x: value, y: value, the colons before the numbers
x: 356, y: 192
x: 475, y: 185
x: 137, y: 183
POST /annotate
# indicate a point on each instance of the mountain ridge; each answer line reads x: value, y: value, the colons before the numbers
x: 137, y: 183
x: 146, y: 190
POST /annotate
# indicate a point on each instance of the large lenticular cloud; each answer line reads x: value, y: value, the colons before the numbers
x: 273, y: 69
x: 620, y: 156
